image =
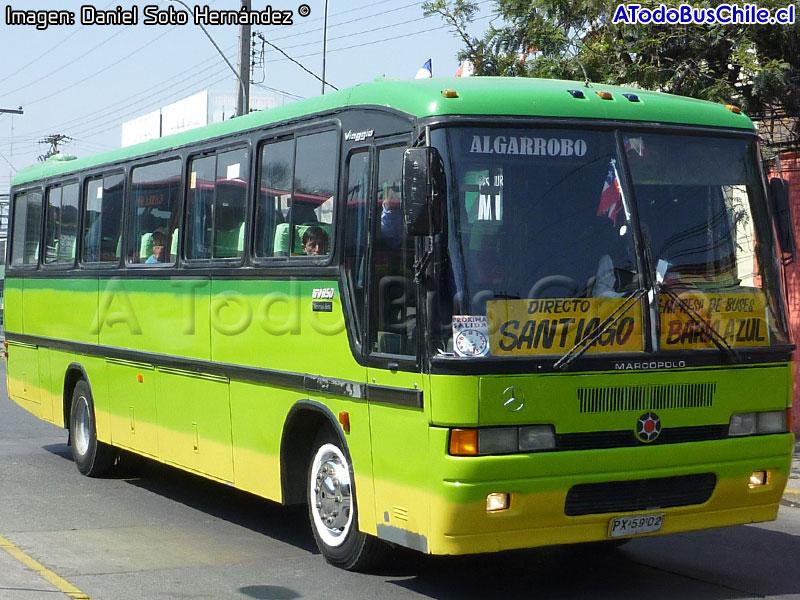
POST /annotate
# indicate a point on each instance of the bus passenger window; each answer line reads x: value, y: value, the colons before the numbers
x: 216, y: 204
x: 102, y: 221
x: 155, y: 218
x: 61, y: 224
x: 272, y: 207
x: 312, y: 204
x: 27, y: 221
x: 231, y: 200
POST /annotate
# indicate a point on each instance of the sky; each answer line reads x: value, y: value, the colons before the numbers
x: 84, y: 80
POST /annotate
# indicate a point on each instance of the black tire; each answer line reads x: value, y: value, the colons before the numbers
x: 93, y: 458
x: 332, y: 508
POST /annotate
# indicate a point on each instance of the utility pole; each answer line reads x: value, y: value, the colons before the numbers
x: 243, y: 95
x: 324, y: 45
x: 54, y: 140
x: 13, y: 111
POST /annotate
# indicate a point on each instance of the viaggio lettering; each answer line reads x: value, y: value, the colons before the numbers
x: 527, y: 146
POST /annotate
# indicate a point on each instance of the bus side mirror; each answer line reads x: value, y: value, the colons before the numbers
x: 423, y: 190
x: 782, y: 209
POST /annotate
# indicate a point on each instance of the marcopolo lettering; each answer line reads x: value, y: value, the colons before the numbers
x: 660, y: 364
x: 528, y: 146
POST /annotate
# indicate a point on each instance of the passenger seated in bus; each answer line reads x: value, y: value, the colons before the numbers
x: 159, y: 244
x: 315, y: 241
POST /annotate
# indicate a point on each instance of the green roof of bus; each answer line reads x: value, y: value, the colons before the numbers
x: 423, y: 98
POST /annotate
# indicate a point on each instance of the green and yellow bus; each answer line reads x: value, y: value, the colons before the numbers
x: 459, y: 316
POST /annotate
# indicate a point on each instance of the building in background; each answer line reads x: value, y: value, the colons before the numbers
x: 200, y: 109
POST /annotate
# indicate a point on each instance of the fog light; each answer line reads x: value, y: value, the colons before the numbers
x: 758, y: 478
x: 496, y: 501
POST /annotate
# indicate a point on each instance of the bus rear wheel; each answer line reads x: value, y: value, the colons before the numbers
x: 332, y: 509
x: 93, y: 458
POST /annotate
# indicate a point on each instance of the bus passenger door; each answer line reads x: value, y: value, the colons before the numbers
x: 398, y: 422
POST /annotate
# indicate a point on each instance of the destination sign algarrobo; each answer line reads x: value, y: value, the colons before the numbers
x: 528, y: 146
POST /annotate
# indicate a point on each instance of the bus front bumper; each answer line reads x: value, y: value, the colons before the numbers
x: 538, y: 484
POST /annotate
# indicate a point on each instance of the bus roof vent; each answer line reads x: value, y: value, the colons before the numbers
x: 646, y: 397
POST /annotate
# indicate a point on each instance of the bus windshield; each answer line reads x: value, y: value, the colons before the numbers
x: 546, y: 245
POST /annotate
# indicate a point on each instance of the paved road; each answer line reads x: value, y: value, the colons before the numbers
x: 169, y: 535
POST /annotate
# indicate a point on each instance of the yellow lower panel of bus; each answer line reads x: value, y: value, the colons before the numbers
x: 536, y: 514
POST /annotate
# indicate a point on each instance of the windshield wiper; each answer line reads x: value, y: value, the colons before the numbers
x: 587, y: 340
x: 715, y: 336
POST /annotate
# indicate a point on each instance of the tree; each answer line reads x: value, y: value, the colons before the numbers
x: 754, y: 66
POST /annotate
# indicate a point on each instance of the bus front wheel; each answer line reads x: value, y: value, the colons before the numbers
x: 332, y: 508
x: 93, y: 458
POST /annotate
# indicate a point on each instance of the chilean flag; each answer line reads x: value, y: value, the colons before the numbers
x: 611, y: 196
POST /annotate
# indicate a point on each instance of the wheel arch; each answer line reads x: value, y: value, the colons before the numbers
x: 305, y: 419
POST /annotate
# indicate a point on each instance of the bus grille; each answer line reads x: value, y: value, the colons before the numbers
x: 646, y: 397
x: 598, y: 440
x: 640, y: 494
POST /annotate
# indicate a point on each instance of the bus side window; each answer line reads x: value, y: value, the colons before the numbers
x: 27, y: 221
x: 216, y: 201
x: 103, y: 219
x: 61, y: 224
x: 314, y: 189
x: 393, y: 312
x: 154, y: 212
x: 355, y: 234
x: 276, y: 173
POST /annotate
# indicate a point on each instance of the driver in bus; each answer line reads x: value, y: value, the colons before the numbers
x: 315, y: 241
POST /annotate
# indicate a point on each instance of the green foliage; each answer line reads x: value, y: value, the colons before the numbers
x: 756, y: 67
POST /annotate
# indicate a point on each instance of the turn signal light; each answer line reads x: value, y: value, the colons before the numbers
x: 733, y: 108
x: 605, y: 95
x: 464, y: 442
x: 450, y: 93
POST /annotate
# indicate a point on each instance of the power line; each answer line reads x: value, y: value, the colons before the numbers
x: 298, y: 63
x: 46, y: 52
x: 103, y: 70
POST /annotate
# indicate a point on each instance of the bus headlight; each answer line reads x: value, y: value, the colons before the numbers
x: 536, y: 437
x: 756, y: 423
x: 502, y: 440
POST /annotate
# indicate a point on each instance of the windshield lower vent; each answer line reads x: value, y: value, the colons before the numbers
x: 646, y: 397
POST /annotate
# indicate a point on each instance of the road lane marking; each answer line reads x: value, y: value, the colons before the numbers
x: 62, y: 584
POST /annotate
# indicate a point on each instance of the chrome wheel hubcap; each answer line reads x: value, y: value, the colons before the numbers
x: 331, y: 495
x: 82, y: 423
